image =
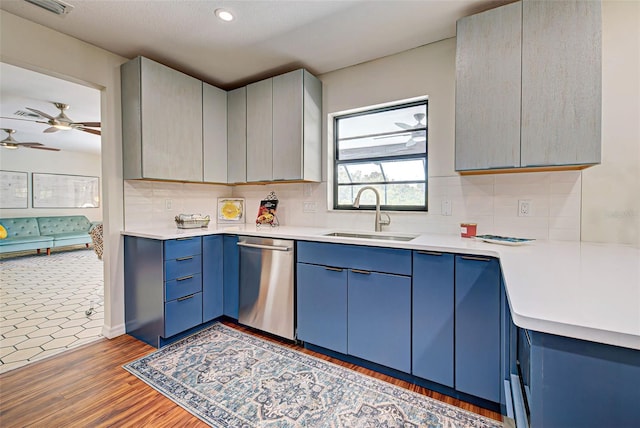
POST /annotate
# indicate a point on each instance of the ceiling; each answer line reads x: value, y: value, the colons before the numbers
x: 267, y: 37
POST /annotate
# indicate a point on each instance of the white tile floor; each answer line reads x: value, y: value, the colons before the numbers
x: 43, y: 300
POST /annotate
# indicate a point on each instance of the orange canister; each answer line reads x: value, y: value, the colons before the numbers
x: 468, y: 230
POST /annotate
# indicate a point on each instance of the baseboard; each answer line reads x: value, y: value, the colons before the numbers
x: 114, y: 331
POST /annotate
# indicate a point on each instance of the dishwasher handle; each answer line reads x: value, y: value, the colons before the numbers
x: 264, y: 247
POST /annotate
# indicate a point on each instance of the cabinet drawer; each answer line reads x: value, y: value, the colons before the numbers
x: 182, y: 314
x: 182, y: 266
x: 182, y: 247
x: 375, y: 259
x: 183, y: 286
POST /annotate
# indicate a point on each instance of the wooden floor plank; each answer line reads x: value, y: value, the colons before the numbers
x: 87, y: 387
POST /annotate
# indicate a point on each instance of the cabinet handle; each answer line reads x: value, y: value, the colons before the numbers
x: 182, y: 259
x: 184, y: 278
x: 180, y: 299
x: 333, y: 269
x: 430, y: 253
x: 184, y: 239
x: 526, y: 335
x: 476, y: 258
x: 363, y: 272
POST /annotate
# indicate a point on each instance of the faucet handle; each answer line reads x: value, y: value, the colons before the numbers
x: 385, y: 222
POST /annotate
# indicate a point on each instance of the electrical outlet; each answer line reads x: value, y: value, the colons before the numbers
x: 167, y: 204
x: 445, y: 208
x: 525, y: 208
x: 308, y: 207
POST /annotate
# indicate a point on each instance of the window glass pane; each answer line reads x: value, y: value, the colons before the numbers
x: 383, y: 121
x: 399, y: 195
x: 362, y: 173
x: 403, y: 170
x: 404, y: 143
x: 343, y: 177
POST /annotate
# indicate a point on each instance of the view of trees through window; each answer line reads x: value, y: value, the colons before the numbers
x: 386, y: 149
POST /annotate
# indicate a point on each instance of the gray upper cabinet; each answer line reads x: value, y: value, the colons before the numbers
x: 297, y: 126
x: 161, y: 122
x: 259, y: 131
x: 237, y: 136
x: 488, y: 89
x: 214, y: 134
x: 528, y: 86
x: 561, y: 82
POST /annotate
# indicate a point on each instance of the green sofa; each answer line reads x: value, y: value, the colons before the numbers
x: 38, y: 233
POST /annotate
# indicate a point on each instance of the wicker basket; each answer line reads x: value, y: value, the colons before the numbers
x: 190, y: 222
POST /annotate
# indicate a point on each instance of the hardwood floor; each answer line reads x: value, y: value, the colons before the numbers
x: 87, y: 387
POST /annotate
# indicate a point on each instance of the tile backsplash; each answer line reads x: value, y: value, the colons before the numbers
x: 489, y: 200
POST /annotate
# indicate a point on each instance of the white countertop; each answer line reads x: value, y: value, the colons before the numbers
x: 582, y: 290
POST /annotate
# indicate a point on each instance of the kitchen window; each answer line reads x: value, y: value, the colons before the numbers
x: 385, y: 148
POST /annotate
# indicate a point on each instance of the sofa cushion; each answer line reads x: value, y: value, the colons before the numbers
x: 21, y: 226
x: 45, y: 240
x: 63, y: 224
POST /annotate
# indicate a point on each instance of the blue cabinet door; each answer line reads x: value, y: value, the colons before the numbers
x: 477, y: 327
x: 432, y: 315
x: 379, y: 318
x: 322, y: 306
x: 212, y: 277
x: 231, y: 273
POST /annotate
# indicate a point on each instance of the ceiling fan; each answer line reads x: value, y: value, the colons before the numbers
x: 419, y: 130
x: 10, y: 143
x: 62, y: 122
x: 416, y: 136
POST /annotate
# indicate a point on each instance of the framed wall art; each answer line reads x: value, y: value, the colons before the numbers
x: 65, y: 191
x: 230, y: 210
x: 14, y: 189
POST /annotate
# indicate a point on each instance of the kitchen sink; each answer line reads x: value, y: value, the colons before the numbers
x: 382, y: 236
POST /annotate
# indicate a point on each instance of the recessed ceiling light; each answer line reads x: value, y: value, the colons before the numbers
x: 224, y: 14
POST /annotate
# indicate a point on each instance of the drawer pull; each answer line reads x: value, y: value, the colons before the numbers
x: 182, y: 259
x: 476, y: 258
x: 333, y: 269
x: 363, y: 272
x: 184, y: 239
x: 180, y: 299
x: 184, y: 278
x: 430, y: 253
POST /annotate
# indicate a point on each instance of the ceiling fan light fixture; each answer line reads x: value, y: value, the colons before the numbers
x: 224, y: 15
x: 62, y: 126
x: 54, y: 6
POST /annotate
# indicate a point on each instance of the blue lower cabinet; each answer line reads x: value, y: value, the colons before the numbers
x: 477, y: 327
x: 212, y: 277
x: 433, y: 317
x: 322, y: 306
x: 182, y: 314
x: 379, y: 318
x: 231, y: 276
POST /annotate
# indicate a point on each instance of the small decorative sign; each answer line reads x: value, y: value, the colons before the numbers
x: 230, y: 210
x: 267, y: 211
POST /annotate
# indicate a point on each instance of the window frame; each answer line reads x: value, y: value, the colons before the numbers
x: 425, y: 157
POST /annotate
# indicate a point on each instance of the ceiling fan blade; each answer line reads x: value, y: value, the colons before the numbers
x: 90, y: 131
x: 89, y: 124
x: 403, y: 125
x: 51, y: 129
x: 41, y: 113
x: 25, y: 120
x: 31, y: 144
x: 53, y: 149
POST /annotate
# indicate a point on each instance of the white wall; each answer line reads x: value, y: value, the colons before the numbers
x: 611, y: 191
x: 62, y: 162
x: 489, y: 200
x: 32, y: 46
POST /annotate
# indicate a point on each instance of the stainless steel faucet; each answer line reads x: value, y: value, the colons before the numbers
x: 378, y: 221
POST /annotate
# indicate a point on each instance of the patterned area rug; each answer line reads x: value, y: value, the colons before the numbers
x: 231, y: 379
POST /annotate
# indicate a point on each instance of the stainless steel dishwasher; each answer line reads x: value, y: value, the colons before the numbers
x: 266, y: 285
